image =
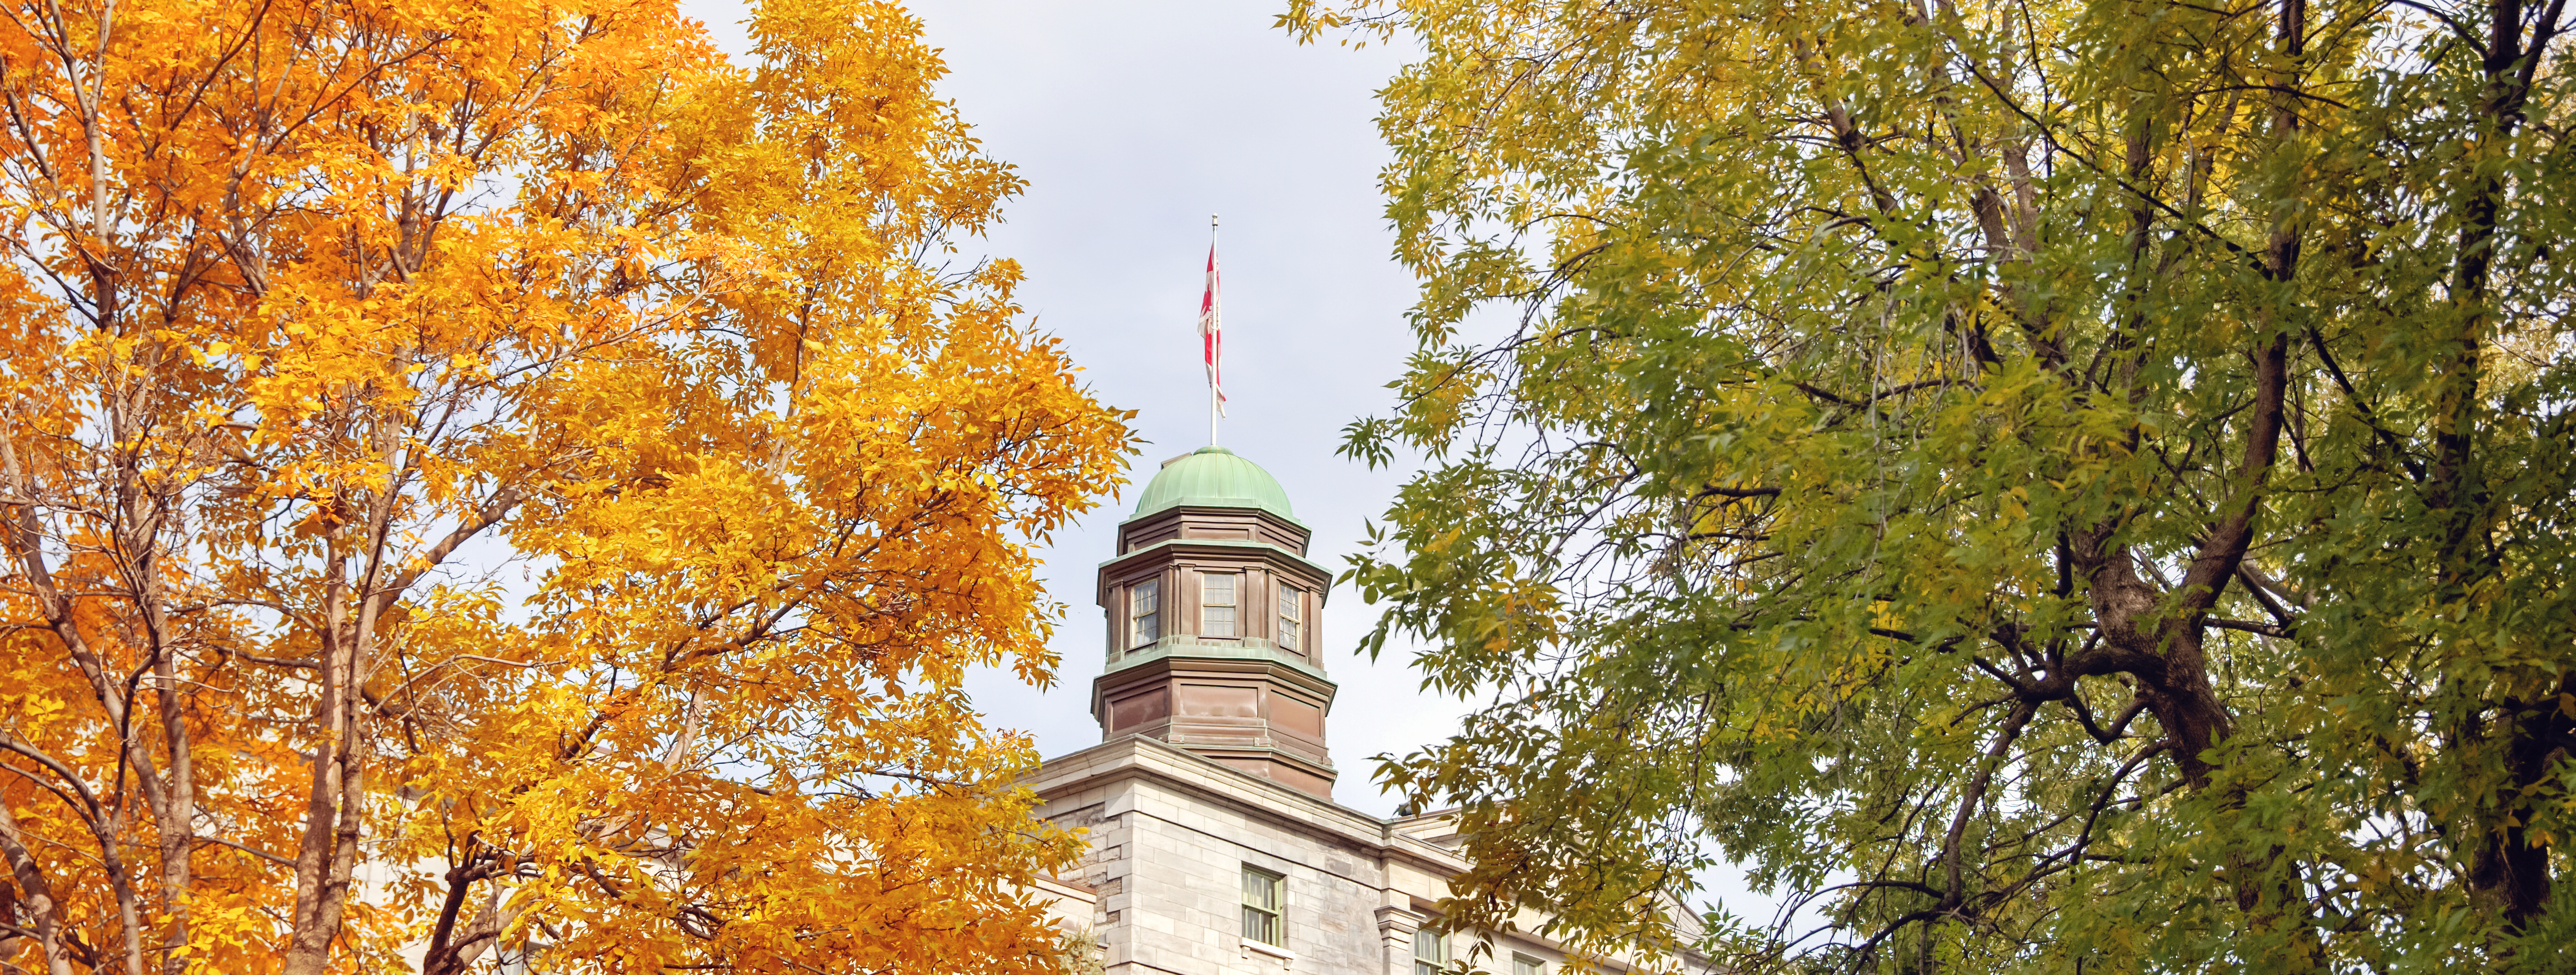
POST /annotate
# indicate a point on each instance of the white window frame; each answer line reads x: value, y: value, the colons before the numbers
x: 1292, y: 618
x: 1144, y: 612
x: 1233, y: 605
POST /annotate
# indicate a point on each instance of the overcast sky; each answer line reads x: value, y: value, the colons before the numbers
x: 1133, y: 122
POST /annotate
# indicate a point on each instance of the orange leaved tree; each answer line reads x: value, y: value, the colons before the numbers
x: 494, y: 478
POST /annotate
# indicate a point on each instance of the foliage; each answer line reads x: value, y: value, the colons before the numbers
x: 1081, y: 953
x: 2067, y: 485
x: 498, y: 478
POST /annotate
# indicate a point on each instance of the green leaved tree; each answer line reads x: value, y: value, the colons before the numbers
x: 2049, y: 485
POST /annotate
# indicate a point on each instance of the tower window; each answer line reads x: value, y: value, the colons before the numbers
x: 1430, y: 952
x: 1144, y: 613
x: 1261, y: 905
x: 1216, y: 604
x: 1292, y: 618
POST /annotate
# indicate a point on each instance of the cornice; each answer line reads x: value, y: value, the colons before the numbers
x: 1250, y: 655
x: 1139, y: 757
x: 1221, y: 510
x: 1217, y: 546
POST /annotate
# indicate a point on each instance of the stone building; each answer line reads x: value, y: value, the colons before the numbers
x: 1216, y: 846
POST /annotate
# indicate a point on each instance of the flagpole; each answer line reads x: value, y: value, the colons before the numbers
x: 1212, y: 380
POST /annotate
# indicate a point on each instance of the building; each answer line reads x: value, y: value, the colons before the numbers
x: 1216, y: 846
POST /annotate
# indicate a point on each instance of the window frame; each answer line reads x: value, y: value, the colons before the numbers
x: 1437, y: 944
x: 1233, y: 606
x: 1291, y: 624
x: 1144, y: 628
x: 1275, y: 914
x: 1528, y: 965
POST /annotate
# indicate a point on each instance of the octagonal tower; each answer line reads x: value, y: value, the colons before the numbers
x: 1212, y: 608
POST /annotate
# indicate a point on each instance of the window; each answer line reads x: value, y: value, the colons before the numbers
x: 1526, y: 965
x: 1261, y: 905
x: 1144, y: 616
x: 1292, y: 616
x: 1430, y: 952
x: 1216, y: 604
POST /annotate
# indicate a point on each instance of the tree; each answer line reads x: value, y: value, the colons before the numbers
x: 2050, y: 486
x: 500, y: 478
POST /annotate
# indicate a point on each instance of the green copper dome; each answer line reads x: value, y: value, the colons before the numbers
x: 1213, y: 477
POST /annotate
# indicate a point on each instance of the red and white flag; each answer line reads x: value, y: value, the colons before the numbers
x: 1212, y: 329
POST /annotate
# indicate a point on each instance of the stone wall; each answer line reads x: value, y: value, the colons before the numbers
x: 1171, y: 832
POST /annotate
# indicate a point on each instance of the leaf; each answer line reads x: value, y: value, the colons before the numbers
x: 2040, y: 484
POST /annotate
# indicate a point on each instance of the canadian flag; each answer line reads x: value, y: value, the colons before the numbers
x: 1212, y: 329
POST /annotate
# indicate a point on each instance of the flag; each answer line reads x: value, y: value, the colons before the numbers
x: 1212, y: 330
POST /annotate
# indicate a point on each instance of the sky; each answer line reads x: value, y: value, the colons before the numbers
x: 1133, y: 123
x: 1133, y: 128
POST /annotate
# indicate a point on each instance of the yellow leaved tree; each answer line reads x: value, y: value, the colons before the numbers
x: 496, y: 478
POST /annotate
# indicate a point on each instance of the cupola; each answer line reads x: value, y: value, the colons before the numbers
x: 1212, y: 610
